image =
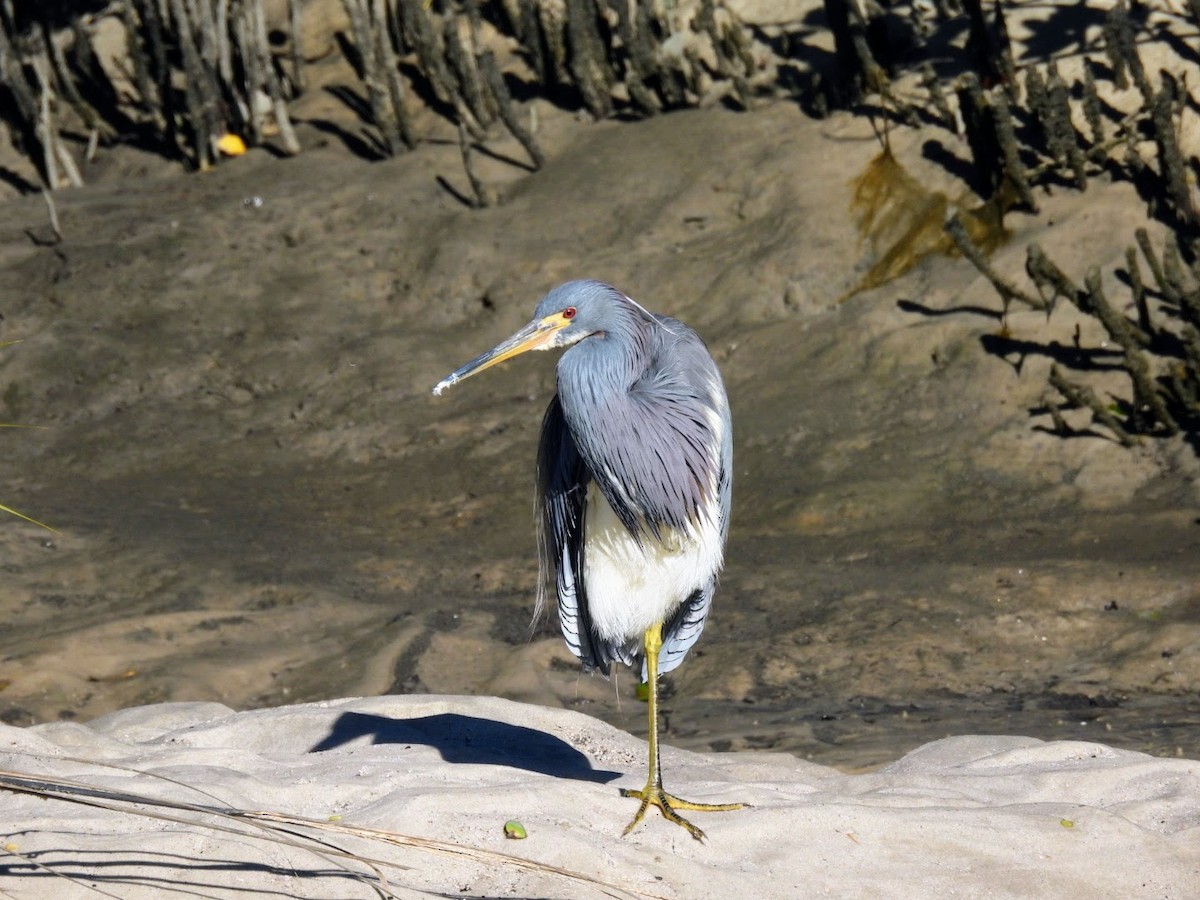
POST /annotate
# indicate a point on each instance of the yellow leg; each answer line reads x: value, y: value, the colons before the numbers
x: 653, y: 794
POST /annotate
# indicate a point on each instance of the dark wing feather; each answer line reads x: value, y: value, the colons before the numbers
x: 683, y: 629
x: 562, y: 485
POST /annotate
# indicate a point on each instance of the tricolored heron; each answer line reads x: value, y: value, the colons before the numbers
x: 634, y: 474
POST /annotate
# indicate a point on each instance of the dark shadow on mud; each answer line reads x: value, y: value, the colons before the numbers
x: 140, y: 869
x: 1080, y: 359
x: 912, y: 306
x: 466, y: 739
x: 365, y: 145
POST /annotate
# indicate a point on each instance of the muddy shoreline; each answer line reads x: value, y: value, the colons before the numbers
x: 260, y: 503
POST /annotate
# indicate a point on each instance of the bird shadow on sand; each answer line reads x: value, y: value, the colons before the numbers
x: 467, y: 739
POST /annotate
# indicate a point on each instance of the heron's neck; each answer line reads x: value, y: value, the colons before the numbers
x: 606, y: 365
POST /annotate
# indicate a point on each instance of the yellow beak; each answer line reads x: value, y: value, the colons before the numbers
x: 537, y: 335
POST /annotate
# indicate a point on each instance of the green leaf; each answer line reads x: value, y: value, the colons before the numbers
x: 514, y: 830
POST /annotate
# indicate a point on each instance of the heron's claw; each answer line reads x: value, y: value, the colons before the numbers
x: 654, y: 795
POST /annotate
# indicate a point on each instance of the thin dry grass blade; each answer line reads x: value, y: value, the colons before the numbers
x: 277, y: 828
x: 475, y: 854
x: 83, y: 794
x: 21, y: 515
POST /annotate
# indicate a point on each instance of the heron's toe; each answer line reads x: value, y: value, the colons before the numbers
x: 654, y: 795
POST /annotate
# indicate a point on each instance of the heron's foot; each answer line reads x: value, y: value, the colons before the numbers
x: 654, y: 795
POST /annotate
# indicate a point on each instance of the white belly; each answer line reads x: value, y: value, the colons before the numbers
x: 631, y: 588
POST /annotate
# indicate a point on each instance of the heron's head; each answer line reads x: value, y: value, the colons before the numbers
x: 565, y: 316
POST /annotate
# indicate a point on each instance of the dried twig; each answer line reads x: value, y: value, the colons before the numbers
x: 1083, y: 397
x: 482, y: 196
x: 508, y: 113
x: 1008, y: 292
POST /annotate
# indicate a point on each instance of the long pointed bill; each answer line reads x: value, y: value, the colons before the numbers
x: 537, y: 335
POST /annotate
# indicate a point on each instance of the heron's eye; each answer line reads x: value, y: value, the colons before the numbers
x: 569, y: 312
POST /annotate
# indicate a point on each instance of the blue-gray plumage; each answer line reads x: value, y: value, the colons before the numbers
x: 634, y: 485
x: 641, y: 412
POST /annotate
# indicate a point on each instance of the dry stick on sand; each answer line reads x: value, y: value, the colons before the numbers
x: 380, y: 74
x: 297, y: 53
x: 1137, y: 287
x: 462, y: 63
x: 508, y: 114
x: 478, y: 188
x: 1170, y: 158
x: 391, y: 71
x: 1061, y: 134
x: 1090, y: 300
x: 1045, y: 274
x: 1093, y: 302
x: 1145, y: 394
x: 640, y: 64
x: 198, y: 91
x: 552, y: 17
x: 420, y: 33
x: 1168, y: 275
x: 146, y: 55
x: 588, y: 60
x: 531, y: 43
x: 1092, y: 112
x: 52, y: 212
x: 1083, y: 397
x: 1187, y: 298
x: 34, y: 105
x: 256, y: 47
x: 91, y: 119
x: 1160, y: 278
x: 1006, y: 137
x: 1008, y: 292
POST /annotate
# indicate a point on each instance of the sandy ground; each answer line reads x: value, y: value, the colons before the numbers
x: 997, y: 817
x: 260, y: 502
